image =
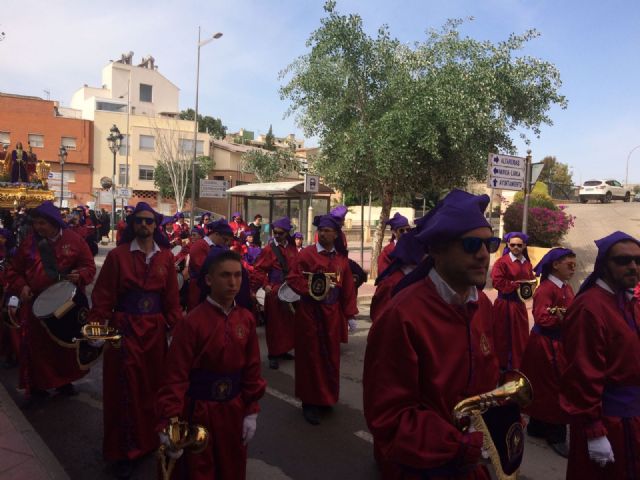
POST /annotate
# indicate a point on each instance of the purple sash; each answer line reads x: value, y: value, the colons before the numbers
x: 510, y: 297
x: 621, y: 401
x: 275, y: 276
x: 552, y: 333
x: 140, y: 303
x: 211, y: 386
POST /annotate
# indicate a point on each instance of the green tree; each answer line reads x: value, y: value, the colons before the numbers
x: 206, y: 124
x: 162, y: 177
x: 269, y: 140
x: 421, y: 118
x: 269, y: 166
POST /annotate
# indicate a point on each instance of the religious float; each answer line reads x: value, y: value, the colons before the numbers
x: 24, y: 194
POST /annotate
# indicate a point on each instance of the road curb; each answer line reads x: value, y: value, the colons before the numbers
x: 43, y: 455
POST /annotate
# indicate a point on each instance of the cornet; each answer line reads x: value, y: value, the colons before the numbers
x: 96, y: 331
x: 181, y: 436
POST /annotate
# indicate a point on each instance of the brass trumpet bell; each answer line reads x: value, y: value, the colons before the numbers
x: 182, y: 435
x: 96, y: 331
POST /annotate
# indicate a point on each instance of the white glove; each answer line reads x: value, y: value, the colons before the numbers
x: 95, y: 343
x: 169, y: 339
x: 164, y: 440
x: 249, y: 425
x: 13, y: 302
x: 353, y: 324
x: 600, y: 450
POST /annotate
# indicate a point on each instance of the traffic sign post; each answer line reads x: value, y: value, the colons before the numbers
x: 506, y: 172
x: 213, y: 188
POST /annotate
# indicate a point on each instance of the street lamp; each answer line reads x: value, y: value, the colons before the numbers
x: 62, y: 155
x: 626, y: 178
x: 202, y: 43
x: 114, y: 140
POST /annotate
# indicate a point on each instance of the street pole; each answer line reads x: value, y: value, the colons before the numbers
x: 63, y: 157
x: 527, y: 190
x: 362, y: 231
x: 626, y: 177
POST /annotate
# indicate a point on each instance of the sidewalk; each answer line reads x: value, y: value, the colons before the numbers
x: 23, y: 454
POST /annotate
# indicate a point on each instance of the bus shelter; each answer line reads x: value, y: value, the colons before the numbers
x: 278, y: 199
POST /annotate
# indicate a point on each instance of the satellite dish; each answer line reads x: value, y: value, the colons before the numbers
x: 106, y: 183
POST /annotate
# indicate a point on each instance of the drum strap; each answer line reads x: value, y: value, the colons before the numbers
x: 48, y: 259
x: 281, y: 260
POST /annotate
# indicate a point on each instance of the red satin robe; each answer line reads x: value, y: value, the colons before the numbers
x: 511, y: 327
x: 319, y: 327
x: 267, y: 271
x: 384, y: 260
x: 121, y: 226
x: 197, y: 255
x: 413, y: 378
x: 222, y: 344
x: 601, y: 349
x: 9, y: 336
x: 133, y: 372
x: 44, y: 363
x: 382, y: 295
x: 543, y: 361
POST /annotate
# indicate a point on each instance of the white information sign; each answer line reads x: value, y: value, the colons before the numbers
x: 123, y: 193
x: 506, y: 172
x: 213, y: 188
x: 311, y: 183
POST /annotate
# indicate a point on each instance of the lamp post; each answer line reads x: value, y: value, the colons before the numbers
x: 201, y: 43
x: 62, y: 155
x: 114, y: 140
x: 626, y: 177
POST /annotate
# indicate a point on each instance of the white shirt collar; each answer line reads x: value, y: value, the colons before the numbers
x: 135, y: 247
x: 208, y: 240
x: 448, y: 294
x: 556, y: 281
x: 220, y: 307
x: 514, y: 258
x: 605, y: 286
x: 320, y: 248
x: 285, y: 245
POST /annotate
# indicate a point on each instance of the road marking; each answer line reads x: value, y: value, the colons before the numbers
x: 284, y: 397
x: 366, y: 436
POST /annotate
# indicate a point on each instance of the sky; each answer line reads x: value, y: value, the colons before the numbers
x: 58, y: 46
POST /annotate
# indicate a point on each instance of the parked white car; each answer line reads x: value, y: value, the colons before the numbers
x: 603, y: 190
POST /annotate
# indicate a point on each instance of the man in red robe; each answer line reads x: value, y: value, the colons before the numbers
x: 9, y: 331
x: 600, y: 388
x: 122, y: 224
x: 511, y: 328
x: 320, y: 321
x: 45, y: 364
x: 543, y: 359
x: 269, y: 272
x: 213, y: 376
x: 399, y: 225
x: 413, y: 377
x: 219, y: 234
x: 137, y: 293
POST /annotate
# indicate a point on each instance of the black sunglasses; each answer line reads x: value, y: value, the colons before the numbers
x: 404, y: 230
x: 473, y: 244
x: 516, y: 245
x: 279, y: 232
x: 623, y: 260
x: 141, y: 220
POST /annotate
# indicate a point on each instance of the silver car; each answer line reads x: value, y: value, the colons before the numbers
x: 603, y: 190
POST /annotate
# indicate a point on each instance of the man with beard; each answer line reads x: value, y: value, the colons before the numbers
x: 600, y: 388
x: 399, y: 225
x: 137, y: 293
x: 51, y: 253
x: 431, y: 347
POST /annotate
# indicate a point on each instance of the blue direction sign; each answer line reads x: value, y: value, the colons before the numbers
x: 506, y: 172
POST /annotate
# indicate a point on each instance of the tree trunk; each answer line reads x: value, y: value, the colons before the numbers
x: 387, y: 202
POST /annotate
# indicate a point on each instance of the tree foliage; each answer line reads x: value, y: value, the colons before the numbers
x: 270, y: 140
x: 270, y: 166
x: 206, y: 124
x: 413, y: 118
x: 162, y: 177
x: 555, y: 172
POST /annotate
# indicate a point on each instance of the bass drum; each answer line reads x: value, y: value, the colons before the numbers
x: 63, y: 309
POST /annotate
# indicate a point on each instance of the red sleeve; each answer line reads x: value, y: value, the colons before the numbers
x: 295, y: 278
x: 406, y: 429
x: 543, y: 299
x: 261, y: 267
x: 105, y: 291
x: 172, y: 308
x: 16, y: 267
x: 349, y: 295
x: 584, y: 378
x: 197, y: 256
x: 85, y: 265
x: 253, y: 385
x: 384, y: 260
x: 501, y: 277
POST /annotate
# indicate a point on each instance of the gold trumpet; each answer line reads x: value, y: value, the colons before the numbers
x: 517, y: 391
x: 182, y: 435
x: 96, y: 331
x: 554, y: 310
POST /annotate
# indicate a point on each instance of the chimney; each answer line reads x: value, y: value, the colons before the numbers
x: 126, y: 58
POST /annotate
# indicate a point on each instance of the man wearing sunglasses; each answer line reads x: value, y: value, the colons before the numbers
x: 431, y: 347
x: 137, y: 293
x: 399, y: 225
x: 511, y: 329
x: 270, y: 270
x: 600, y: 388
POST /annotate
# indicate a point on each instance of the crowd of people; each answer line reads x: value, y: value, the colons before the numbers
x: 185, y: 302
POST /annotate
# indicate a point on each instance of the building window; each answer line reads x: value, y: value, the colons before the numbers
x: 36, y: 140
x: 186, y: 145
x: 5, y: 138
x: 122, y: 174
x: 124, y: 143
x: 218, y: 177
x: 69, y: 176
x: 111, y: 107
x: 145, y: 172
x: 68, y: 142
x: 146, y: 93
x: 147, y: 142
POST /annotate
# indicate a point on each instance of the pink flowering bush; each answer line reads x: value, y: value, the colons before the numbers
x: 546, y: 226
